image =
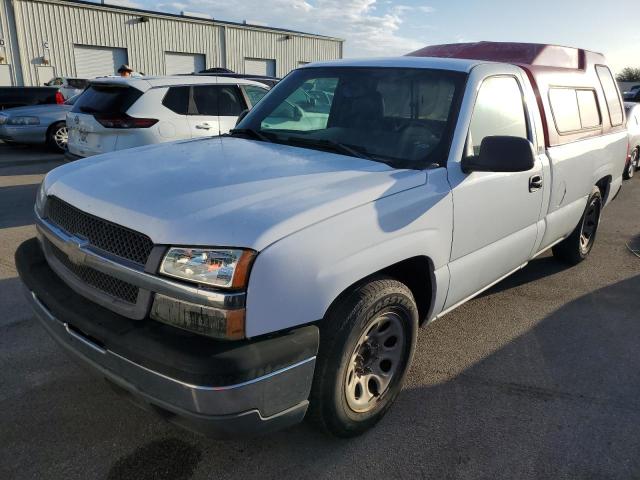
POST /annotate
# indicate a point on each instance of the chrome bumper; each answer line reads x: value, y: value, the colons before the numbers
x: 270, y: 402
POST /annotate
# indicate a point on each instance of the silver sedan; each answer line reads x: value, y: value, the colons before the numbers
x: 37, y: 124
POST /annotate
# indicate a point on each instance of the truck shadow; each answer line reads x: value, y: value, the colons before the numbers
x: 537, y: 268
x: 17, y: 205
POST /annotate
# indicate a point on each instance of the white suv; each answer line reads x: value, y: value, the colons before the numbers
x: 118, y: 113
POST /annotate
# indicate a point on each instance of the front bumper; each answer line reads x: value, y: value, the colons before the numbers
x: 29, y: 134
x: 216, y: 388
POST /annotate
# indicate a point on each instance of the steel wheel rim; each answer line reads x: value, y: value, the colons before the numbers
x: 634, y: 161
x: 60, y: 137
x: 375, y: 362
x: 589, y: 225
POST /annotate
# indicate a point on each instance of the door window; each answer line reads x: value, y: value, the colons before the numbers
x: 499, y: 110
x: 229, y: 102
x: 212, y: 100
x: 254, y: 93
x: 177, y: 100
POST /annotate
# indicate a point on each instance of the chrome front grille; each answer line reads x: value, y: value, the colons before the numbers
x: 105, y: 283
x: 107, y: 236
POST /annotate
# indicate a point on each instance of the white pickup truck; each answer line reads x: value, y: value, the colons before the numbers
x: 230, y: 284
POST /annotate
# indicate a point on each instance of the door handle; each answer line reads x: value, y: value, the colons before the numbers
x: 204, y: 126
x: 535, y: 183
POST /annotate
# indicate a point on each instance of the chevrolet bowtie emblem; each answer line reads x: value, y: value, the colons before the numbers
x: 75, y: 250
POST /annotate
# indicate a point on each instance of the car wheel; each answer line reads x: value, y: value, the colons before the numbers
x: 635, y: 158
x: 577, y: 246
x: 366, y: 346
x: 629, y: 169
x: 57, y: 137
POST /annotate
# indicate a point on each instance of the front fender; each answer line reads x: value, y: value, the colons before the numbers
x: 295, y: 280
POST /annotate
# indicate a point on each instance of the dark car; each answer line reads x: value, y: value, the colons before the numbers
x: 11, y: 97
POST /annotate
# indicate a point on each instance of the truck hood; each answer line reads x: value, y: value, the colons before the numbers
x: 223, y: 191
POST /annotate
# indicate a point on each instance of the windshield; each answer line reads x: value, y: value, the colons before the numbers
x: 400, y: 116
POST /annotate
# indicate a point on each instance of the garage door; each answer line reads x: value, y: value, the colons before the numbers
x: 94, y: 62
x: 260, y: 66
x: 176, y: 63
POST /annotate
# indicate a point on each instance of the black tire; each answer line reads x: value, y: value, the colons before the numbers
x: 577, y: 246
x: 54, y: 137
x: 635, y: 158
x: 356, y: 315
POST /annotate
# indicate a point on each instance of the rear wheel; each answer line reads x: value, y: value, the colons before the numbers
x: 577, y: 246
x: 366, y: 345
x: 635, y: 158
x: 57, y: 137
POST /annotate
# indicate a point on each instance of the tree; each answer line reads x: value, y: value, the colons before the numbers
x: 629, y: 74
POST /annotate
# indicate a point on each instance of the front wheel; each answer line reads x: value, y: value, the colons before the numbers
x: 366, y: 346
x: 577, y: 246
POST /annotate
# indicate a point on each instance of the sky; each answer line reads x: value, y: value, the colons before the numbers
x: 396, y: 27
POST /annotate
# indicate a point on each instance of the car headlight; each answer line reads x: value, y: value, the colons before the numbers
x: 23, y: 121
x: 3, y: 119
x: 41, y: 199
x: 217, y: 267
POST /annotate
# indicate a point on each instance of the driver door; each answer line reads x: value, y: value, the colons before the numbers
x: 496, y: 214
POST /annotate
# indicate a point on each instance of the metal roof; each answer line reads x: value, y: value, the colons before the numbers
x: 142, y: 12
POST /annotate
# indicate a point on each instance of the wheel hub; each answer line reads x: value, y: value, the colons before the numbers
x: 374, y: 362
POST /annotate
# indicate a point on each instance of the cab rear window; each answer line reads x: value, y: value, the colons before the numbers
x: 106, y: 99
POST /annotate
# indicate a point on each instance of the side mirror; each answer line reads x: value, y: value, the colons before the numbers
x: 501, y: 154
x: 242, y: 115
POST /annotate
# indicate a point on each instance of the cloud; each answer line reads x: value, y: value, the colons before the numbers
x: 370, y: 27
x: 426, y: 9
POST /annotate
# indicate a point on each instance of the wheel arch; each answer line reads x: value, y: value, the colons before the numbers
x: 604, y: 185
x: 417, y: 273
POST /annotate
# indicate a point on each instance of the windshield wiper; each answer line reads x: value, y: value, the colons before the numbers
x: 250, y: 132
x: 326, y: 144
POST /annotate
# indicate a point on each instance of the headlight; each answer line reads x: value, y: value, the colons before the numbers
x: 23, y: 121
x: 41, y: 199
x: 3, y: 119
x: 224, y: 268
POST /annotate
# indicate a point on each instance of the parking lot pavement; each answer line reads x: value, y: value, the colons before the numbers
x: 537, y: 378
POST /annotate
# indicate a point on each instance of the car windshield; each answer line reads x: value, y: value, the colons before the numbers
x: 400, y: 116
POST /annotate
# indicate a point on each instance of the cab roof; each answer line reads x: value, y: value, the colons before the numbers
x: 530, y: 54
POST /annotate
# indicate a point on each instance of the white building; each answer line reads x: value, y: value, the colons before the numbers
x: 40, y: 39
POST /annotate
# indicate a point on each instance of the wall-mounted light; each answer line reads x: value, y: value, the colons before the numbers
x: 45, y: 59
x: 288, y: 37
x: 143, y: 19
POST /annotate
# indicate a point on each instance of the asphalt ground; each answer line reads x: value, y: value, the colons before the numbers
x: 537, y: 378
